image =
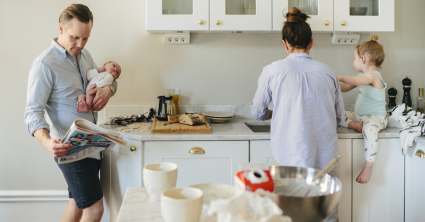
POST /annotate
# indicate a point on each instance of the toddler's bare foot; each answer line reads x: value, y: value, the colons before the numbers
x: 82, y: 107
x: 356, y: 126
x: 366, y: 173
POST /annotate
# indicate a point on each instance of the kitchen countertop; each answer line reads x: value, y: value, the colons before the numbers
x: 137, y: 206
x: 237, y: 130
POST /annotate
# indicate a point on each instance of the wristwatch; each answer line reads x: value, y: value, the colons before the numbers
x: 112, y: 89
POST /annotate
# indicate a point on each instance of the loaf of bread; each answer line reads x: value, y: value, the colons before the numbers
x: 173, y: 118
x: 192, y: 119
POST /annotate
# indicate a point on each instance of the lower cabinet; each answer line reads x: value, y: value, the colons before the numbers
x: 415, y: 183
x: 260, y: 151
x: 218, y: 164
x: 382, y: 198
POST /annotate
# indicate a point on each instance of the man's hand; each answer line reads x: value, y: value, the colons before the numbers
x: 101, y: 99
x: 54, y: 146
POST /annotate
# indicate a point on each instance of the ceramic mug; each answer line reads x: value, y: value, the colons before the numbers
x: 182, y: 204
x: 157, y: 177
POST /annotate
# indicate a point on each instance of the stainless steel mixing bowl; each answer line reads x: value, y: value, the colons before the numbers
x: 322, y: 199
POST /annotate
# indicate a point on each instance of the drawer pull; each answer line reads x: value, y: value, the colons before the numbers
x: 196, y: 150
x: 133, y: 148
x: 420, y: 154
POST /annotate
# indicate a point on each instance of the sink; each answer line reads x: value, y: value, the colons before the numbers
x: 259, y: 127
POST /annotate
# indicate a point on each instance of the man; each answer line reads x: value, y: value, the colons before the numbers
x: 57, y: 76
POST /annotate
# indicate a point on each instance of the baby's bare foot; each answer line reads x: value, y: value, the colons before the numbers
x: 356, y: 126
x: 366, y: 173
x: 82, y: 107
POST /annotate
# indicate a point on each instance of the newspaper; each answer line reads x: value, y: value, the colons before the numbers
x: 88, y: 139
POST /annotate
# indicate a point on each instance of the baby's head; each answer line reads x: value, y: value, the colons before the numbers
x: 113, y: 68
x: 372, y: 50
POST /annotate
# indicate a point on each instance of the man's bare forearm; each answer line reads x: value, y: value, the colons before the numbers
x: 42, y: 136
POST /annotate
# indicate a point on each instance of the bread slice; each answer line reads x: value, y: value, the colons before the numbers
x: 173, y: 118
x: 192, y: 119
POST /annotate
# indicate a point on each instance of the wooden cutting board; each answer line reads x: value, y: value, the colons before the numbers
x: 177, y: 128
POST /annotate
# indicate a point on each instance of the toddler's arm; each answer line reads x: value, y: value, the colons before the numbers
x: 346, y: 87
x: 356, y: 80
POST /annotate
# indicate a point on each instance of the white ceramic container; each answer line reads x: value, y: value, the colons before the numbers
x: 158, y: 177
x: 182, y: 204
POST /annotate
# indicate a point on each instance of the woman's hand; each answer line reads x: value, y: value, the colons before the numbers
x: 101, y: 99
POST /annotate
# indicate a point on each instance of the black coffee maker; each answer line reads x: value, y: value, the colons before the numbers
x: 161, y: 111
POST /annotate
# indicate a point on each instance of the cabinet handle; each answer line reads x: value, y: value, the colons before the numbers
x: 327, y: 23
x: 201, y: 22
x: 196, y: 150
x: 217, y: 22
x: 133, y: 148
x: 343, y: 23
x: 420, y: 154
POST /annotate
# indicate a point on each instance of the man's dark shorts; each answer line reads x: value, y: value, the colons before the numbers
x: 83, y: 181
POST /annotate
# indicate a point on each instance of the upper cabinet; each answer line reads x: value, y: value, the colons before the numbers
x: 177, y: 15
x: 364, y: 15
x: 268, y: 15
x: 320, y: 12
x: 241, y: 15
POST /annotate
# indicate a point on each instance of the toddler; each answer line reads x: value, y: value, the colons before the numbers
x: 98, y: 78
x: 369, y: 116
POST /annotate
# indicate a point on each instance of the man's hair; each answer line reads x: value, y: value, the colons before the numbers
x: 78, y: 11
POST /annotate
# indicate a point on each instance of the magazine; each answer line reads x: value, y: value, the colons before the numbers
x: 88, y: 139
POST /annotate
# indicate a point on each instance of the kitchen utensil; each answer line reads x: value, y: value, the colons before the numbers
x: 158, y: 177
x: 175, y: 93
x: 311, y: 208
x: 161, y: 111
x: 213, y: 191
x: 166, y: 124
x: 392, y: 92
x: 182, y: 204
x: 407, y: 99
x: 159, y: 128
x: 358, y: 10
x: 304, y: 190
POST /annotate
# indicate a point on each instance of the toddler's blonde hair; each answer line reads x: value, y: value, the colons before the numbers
x: 373, y: 49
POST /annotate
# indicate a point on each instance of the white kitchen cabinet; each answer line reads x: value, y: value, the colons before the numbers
x: 177, y: 15
x: 218, y: 164
x: 320, y: 11
x: 241, y: 15
x: 415, y: 183
x: 382, y: 198
x: 260, y: 151
x: 379, y: 16
x: 121, y: 168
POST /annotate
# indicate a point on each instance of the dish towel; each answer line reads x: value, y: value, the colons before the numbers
x: 411, y: 122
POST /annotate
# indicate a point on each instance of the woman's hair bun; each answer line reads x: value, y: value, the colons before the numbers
x: 374, y: 37
x: 295, y: 15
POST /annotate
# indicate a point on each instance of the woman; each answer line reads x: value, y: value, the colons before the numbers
x: 308, y: 105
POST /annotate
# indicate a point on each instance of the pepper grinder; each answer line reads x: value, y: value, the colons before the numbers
x: 407, y: 99
x: 392, y: 92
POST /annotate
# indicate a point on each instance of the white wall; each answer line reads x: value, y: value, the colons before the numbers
x: 213, y: 69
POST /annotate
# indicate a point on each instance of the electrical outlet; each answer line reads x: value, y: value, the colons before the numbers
x: 345, y: 39
x: 177, y: 38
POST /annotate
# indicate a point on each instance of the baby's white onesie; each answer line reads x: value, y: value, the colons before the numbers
x: 100, y: 79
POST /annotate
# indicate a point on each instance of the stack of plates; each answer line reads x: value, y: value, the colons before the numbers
x: 219, y: 117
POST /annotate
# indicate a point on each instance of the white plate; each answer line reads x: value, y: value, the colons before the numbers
x: 218, y: 114
x: 219, y: 120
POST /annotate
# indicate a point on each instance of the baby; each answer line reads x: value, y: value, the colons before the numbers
x: 98, y: 78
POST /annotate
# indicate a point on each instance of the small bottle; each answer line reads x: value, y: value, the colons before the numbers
x: 420, y: 101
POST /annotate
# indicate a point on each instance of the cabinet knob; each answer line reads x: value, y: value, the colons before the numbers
x: 327, y: 23
x: 343, y: 23
x: 196, y: 150
x: 217, y: 22
x: 420, y: 154
x: 201, y: 22
x: 133, y: 148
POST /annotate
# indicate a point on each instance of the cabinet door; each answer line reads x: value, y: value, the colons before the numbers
x: 123, y: 167
x: 218, y: 164
x: 260, y: 151
x: 344, y: 205
x: 382, y: 198
x: 320, y: 11
x: 415, y: 182
x: 241, y: 15
x: 364, y: 15
x: 173, y: 15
